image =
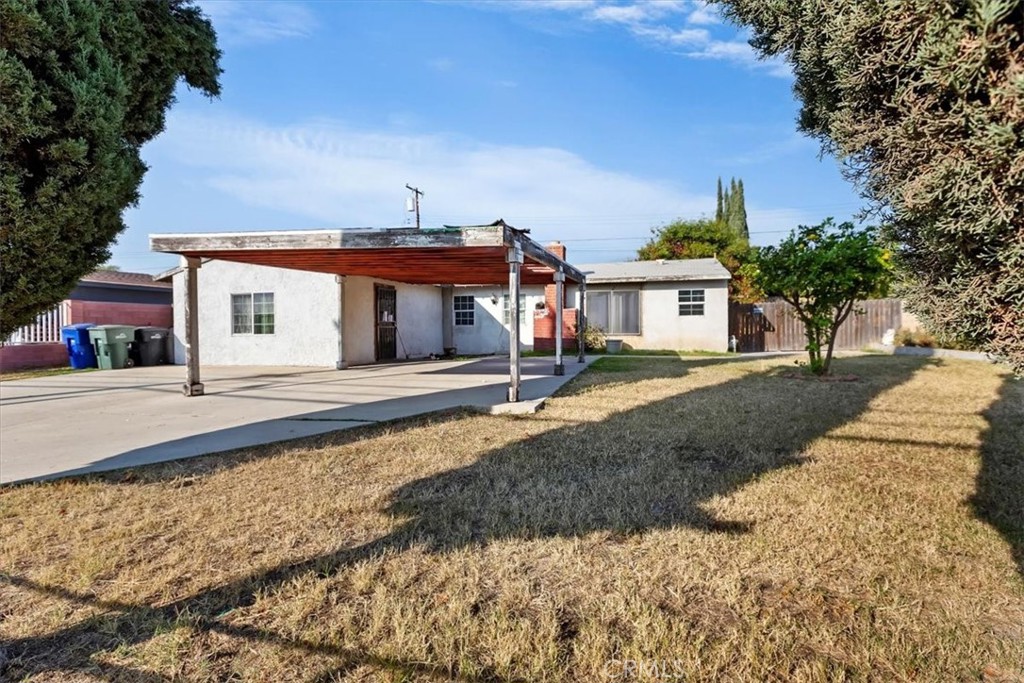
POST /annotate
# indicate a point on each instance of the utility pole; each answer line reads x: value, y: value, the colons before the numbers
x: 416, y: 194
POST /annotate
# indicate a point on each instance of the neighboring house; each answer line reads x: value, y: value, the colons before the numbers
x: 678, y: 304
x: 103, y: 297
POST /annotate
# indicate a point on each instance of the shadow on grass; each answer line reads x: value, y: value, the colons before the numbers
x: 647, y: 466
x: 999, y: 495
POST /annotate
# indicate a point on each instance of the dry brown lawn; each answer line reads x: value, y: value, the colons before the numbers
x: 698, y: 520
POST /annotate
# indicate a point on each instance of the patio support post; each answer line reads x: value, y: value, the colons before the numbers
x: 341, y: 363
x: 448, y: 319
x: 581, y: 324
x: 515, y: 261
x: 192, y: 387
x: 559, y: 304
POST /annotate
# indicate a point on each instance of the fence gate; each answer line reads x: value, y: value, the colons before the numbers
x: 748, y: 326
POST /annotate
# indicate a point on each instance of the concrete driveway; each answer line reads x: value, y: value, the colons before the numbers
x: 102, y: 420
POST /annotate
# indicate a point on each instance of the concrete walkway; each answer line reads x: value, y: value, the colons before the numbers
x: 89, y: 422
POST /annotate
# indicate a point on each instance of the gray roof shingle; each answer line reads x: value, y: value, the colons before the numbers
x: 654, y: 271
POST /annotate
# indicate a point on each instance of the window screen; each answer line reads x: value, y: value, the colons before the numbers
x: 691, y: 302
x: 241, y: 313
x: 465, y: 310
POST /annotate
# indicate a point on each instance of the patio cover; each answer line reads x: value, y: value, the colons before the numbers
x: 452, y: 255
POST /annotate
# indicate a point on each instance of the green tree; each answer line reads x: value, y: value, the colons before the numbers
x: 822, y: 271
x: 922, y: 103
x: 737, y: 211
x: 703, y: 238
x: 720, y: 207
x: 83, y: 85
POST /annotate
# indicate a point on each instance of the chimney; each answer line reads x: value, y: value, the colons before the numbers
x: 557, y: 248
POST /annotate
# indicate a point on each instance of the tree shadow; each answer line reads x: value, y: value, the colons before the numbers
x: 999, y: 493
x: 648, y: 466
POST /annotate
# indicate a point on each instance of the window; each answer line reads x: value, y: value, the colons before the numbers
x: 506, y: 316
x: 614, y: 312
x: 691, y: 302
x: 252, y: 313
x: 465, y: 310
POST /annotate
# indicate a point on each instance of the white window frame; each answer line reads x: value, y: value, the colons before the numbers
x: 506, y: 314
x: 251, y: 325
x: 691, y: 302
x: 467, y: 310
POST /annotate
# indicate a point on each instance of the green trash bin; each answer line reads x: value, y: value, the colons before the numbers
x: 111, y: 343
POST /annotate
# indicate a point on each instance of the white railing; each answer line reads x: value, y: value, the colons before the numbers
x: 46, y: 328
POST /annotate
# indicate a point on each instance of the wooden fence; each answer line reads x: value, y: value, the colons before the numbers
x: 772, y: 325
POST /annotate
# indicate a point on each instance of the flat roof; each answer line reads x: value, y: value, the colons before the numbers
x: 459, y: 255
x: 656, y: 271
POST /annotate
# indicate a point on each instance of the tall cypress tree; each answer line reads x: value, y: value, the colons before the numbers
x: 720, y: 209
x: 741, y: 211
x: 732, y: 207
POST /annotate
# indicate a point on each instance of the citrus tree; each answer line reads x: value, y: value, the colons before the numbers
x: 822, y: 271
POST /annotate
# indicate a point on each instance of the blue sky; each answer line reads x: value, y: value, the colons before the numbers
x: 585, y: 121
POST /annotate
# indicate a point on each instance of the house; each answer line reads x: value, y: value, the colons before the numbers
x: 105, y: 297
x: 251, y: 314
x: 335, y: 298
x: 664, y: 304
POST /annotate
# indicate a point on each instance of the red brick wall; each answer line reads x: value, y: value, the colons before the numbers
x: 544, y: 325
x: 112, y: 313
x: 544, y: 330
x: 22, y: 356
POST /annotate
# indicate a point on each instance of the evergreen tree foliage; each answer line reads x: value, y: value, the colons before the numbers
x: 740, y: 224
x: 83, y: 85
x: 720, y: 207
x: 923, y: 102
x: 704, y: 238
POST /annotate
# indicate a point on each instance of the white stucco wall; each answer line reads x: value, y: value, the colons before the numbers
x: 661, y: 326
x: 418, y: 317
x: 489, y: 334
x: 305, y: 316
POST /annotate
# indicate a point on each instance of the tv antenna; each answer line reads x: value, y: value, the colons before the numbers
x: 413, y: 202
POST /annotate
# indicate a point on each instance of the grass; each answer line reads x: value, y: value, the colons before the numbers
x: 39, y: 372
x: 708, y: 517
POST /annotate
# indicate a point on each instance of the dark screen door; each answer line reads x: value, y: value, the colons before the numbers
x: 387, y: 326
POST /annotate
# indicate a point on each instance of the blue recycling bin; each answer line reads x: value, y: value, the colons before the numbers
x: 76, y: 340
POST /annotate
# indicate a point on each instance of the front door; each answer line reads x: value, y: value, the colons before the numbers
x: 387, y: 326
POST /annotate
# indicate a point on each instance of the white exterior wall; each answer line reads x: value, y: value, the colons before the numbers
x: 661, y: 326
x: 418, y: 318
x: 489, y: 334
x: 305, y: 316
x: 306, y: 312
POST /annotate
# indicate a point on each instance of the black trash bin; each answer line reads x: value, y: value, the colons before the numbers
x: 150, y: 346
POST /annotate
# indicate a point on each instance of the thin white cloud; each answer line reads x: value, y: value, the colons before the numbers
x: 780, y: 144
x: 332, y: 175
x: 703, y: 14
x: 441, y: 64
x: 241, y: 22
x: 678, y: 26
